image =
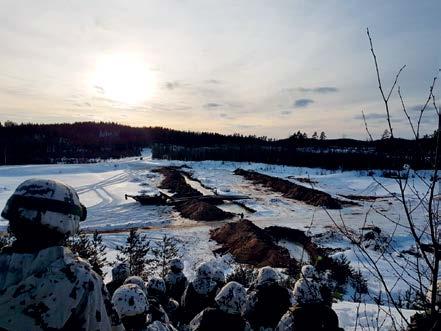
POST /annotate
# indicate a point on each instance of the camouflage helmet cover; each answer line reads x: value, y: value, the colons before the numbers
x: 47, y: 202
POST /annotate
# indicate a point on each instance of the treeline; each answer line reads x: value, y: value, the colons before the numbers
x: 89, y: 141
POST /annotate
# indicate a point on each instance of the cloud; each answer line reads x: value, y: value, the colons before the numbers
x: 286, y: 112
x: 371, y: 116
x: 318, y: 90
x: 212, y: 105
x: 303, y: 103
x: 213, y: 81
x: 172, y: 85
x: 419, y: 107
x: 99, y: 89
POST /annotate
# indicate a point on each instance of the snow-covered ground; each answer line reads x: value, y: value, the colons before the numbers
x: 102, y: 187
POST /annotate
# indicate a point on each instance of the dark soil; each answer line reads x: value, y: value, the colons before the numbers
x: 252, y: 245
x: 198, y: 210
x: 202, y: 211
x: 291, y: 190
x: 175, y: 182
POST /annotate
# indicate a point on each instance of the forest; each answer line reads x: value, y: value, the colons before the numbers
x: 85, y: 142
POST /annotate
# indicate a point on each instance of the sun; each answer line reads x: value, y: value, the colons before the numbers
x: 124, y: 78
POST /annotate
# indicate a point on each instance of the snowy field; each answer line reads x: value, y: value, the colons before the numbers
x: 102, y: 187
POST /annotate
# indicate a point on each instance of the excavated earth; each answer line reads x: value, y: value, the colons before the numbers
x: 202, y: 211
x: 256, y: 246
x: 291, y: 190
x: 252, y: 245
x: 194, y: 209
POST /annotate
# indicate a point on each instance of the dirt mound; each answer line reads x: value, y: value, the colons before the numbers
x: 250, y: 244
x: 291, y: 190
x: 202, y: 211
x: 175, y: 182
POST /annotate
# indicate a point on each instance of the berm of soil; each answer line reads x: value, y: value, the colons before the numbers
x: 291, y: 190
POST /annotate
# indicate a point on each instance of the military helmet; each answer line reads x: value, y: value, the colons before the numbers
x: 218, y: 275
x: 176, y: 264
x: 130, y: 300
x: 47, y: 202
x: 267, y: 275
x: 120, y: 272
x: 204, y: 271
x: 137, y: 281
x: 232, y: 298
x: 155, y: 286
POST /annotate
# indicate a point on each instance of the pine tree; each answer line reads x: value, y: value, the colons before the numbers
x: 323, y: 135
x: 314, y: 135
x: 165, y: 250
x: 89, y: 248
x: 135, y: 253
x: 386, y: 135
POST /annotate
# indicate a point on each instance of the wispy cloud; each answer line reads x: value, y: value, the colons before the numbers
x: 319, y: 89
x: 212, y: 105
x: 286, y: 112
x: 303, y: 103
x: 172, y: 85
x: 371, y: 116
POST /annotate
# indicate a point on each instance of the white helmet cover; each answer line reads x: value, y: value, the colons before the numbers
x: 267, y: 275
x: 130, y: 300
x: 120, y: 271
x: 232, y: 298
x: 204, y: 271
x: 137, y: 281
x: 218, y: 275
x: 48, y: 202
x: 156, y: 285
x: 176, y: 264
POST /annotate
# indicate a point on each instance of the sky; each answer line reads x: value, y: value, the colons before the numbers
x: 267, y: 68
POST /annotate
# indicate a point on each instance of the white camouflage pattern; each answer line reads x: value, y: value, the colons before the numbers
x: 54, y: 190
x: 176, y: 264
x: 130, y: 300
x: 232, y: 298
x: 267, y: 275
x: 307, y: 288
x: 137, y: 281
x: 52, y: 289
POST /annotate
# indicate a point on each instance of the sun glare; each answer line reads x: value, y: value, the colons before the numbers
x: 124, y: 78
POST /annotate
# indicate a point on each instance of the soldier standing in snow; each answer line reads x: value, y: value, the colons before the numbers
x: 43, y: 285
x: 132, y: 306
x: 175, y: 280
x: 119, y: 274
x: 310, y: 312
x: 268, y: 301
x: 162, y: 308
x: 227, y: 314
x: 199, y: 294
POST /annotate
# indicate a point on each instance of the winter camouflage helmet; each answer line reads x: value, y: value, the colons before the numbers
x: 308, y: 271
x: 46, y: 202
x: 120, y: 272
x: 156, y: 285
x: 176, y: 265
x: 137, y: 281
x: 232, y: 298
x: 130, y: 300
x: 204, y: 271
x: 267, y: 275
x: 218, y: 275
